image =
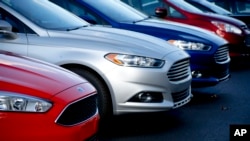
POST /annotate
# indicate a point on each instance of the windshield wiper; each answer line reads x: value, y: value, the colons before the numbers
x: 149, y: 17
x: 75, y: 28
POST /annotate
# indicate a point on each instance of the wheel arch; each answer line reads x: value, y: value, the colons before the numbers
x: 108, y: 87
x: 67, y: 66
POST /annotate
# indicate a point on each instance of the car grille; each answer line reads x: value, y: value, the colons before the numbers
x: 221, y: 56
x: 179, y: 70
x: 78, y: 111
x: 180, y: 95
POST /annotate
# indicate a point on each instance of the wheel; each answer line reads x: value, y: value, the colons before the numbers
x: 104, y: 98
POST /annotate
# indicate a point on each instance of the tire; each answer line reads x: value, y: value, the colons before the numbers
x: 104, y: 98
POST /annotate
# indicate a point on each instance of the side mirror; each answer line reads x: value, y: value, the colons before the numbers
x: 161, y: 12
x: 6, y: 30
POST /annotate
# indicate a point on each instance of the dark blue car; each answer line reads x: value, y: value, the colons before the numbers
x: 209, y: 53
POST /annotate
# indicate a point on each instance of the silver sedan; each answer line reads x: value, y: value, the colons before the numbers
x: 132, y: 72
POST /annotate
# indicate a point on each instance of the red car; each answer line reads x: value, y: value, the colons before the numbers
x: 42, y: 102
x: 234, y: 31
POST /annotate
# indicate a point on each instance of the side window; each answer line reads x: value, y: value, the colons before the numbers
x: 146, y: 6
x: 149, y: 6
x: 17, y: 26
x: 172, y: 12
x: 243, y: 6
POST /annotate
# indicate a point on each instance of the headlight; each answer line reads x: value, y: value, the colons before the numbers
x: 22, y: 103
x: 134, y: 61
x: 227, y: 27
x: 186, y: 45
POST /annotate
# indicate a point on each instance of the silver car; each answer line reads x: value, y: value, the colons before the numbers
x: 132, y: 72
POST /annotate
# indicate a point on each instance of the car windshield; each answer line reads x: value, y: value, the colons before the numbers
x: 185, y: 6
x: 45, y: 14
x: 117, y: 10
x: 216, y: 8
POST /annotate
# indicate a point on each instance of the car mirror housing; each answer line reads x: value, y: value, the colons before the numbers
x: 4, y: 25
x: 6, y: 30
x: 161, y: 12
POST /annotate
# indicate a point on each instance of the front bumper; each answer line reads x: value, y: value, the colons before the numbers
x: 211, y: 76
x: 211, y: 69
x: 129, y: 82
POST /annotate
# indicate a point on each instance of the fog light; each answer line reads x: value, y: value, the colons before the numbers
x: 147, y: 97
x: 196, y: 74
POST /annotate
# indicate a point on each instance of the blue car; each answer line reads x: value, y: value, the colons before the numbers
x: 209, y: 53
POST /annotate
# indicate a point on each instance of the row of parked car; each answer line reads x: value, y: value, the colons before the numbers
x: 234, y: 31
x: 63, y: 72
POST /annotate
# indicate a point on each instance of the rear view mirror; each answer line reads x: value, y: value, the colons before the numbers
x: 6, y: 30
x: 161, y: 12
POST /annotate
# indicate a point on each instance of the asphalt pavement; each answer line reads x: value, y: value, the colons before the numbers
x: 206, y: 118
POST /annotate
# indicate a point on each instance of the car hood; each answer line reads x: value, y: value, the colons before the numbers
x: 109, y: 39
x: 182, y: 30
x: 25, y: 75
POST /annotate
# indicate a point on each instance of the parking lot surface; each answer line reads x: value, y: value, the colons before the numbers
x: 206, y: 118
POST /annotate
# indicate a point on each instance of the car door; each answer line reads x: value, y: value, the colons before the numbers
x: 18, y: 45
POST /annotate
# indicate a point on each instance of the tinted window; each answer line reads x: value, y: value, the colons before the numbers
x: 243, y: 6
x: 149, y: 6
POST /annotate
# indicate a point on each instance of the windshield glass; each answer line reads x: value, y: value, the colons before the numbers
x: 216, y: 8
x: 117, y: 10
x: 45, y: 14
x: 185, y: 6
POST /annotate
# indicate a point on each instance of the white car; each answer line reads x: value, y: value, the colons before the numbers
x: 132, y: 72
